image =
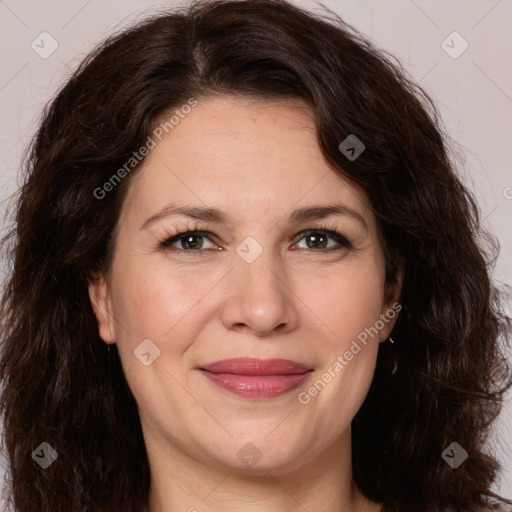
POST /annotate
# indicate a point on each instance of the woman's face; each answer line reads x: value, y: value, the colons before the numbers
x: 253, y: 284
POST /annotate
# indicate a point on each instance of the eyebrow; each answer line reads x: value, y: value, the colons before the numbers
x: 216, y: 216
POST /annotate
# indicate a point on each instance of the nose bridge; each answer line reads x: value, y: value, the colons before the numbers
x: 258, y: 266
x: 259, y: 295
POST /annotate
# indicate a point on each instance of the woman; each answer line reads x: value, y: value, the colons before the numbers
x: 246, y: 276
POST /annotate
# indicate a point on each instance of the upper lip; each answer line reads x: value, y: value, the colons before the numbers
x: 251, y: 366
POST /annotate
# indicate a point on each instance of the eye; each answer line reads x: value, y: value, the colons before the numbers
x: 189, y: 241
x: 316, y: 240
x: 319, y: 239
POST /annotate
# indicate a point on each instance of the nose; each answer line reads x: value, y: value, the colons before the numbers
x: 259, y: 297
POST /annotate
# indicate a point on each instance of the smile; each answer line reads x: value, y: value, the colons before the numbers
x: 257, y: 378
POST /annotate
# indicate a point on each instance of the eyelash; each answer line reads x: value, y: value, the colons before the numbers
x: 193, y: 230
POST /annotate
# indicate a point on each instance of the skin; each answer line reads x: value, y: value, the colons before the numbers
x: 257, y: 161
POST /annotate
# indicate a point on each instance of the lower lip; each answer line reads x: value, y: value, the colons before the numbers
x: 257, y: 386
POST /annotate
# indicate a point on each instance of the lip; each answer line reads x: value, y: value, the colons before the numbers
x: 252, y: 366
x: 257, y: 378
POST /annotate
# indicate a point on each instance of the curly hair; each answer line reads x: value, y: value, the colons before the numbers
x: 60, y: 383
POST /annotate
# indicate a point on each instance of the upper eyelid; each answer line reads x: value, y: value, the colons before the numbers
x: 202, y: 227
x: 205, y: 232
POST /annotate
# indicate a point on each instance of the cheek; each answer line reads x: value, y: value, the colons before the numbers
x: 349, y: 308
x: 151, y: 303
x: 346, y: 300
x: 156, y: 298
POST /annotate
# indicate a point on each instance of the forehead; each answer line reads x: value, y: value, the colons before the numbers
x: 252, y: 156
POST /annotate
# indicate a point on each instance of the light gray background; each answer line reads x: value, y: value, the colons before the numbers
x: 472, y: 91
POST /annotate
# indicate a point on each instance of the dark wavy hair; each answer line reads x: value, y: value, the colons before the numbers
x: 63, y: 385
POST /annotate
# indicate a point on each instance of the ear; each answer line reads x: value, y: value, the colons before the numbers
x: 391, y: 307
x: 102, y: 307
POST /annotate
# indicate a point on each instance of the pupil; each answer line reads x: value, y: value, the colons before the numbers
x: 317, y: 237
x: 192, y: 237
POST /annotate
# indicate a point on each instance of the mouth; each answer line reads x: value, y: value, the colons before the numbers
x: 256, y: 378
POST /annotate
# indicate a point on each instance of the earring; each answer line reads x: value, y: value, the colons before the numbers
x: 390, y: 360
